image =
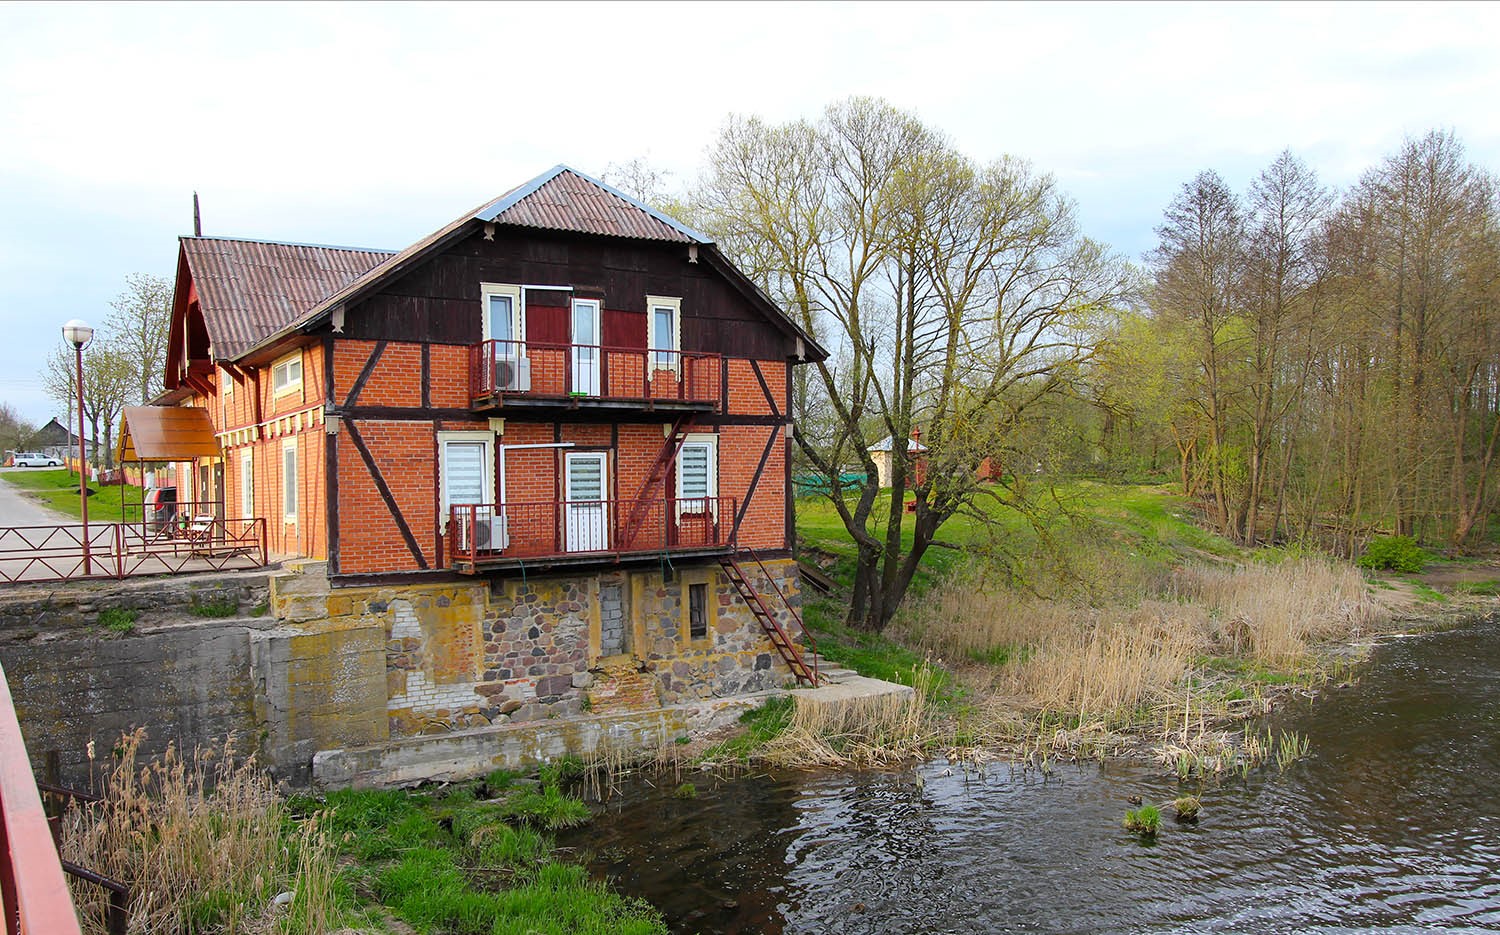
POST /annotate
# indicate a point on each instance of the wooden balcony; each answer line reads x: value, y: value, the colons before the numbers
x: 550, y: 533
x: 530, y: 374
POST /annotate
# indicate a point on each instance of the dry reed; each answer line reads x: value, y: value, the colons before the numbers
x: 1120, y: 665
x: 859, y: 732
x: 203, y: 843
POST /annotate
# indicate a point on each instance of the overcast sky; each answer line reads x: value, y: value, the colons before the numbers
x: 372, y: 125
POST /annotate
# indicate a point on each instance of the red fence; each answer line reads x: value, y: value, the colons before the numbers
x: 120, y: 550
x: 583, y: 371
x: 33, y: 893
x: 553, y: 528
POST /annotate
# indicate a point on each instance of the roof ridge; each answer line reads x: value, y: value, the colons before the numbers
x: 510, y: 199
x: 289, y: 243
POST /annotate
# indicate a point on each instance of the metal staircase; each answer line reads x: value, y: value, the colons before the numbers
x: 757, y: 604
x: 658, y: 474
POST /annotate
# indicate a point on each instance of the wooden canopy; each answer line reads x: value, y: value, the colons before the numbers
x: 165, y: 433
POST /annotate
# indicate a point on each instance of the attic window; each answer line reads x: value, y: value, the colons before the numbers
x: 286, y: 376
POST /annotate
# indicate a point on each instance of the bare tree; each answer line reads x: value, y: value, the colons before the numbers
x: 139, y: 323
x: 954, y: 297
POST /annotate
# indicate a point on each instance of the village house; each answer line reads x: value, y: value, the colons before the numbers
x: 546, y: 448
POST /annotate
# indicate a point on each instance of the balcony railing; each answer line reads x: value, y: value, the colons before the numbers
x: 579, y: 373
x: 495, y: 533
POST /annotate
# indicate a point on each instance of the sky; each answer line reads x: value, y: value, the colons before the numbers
x: 374, y: 124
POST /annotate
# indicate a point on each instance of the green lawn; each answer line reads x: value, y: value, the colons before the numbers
x: 58, y: 489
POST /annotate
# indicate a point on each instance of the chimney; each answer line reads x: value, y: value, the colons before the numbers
x: 197, y: 219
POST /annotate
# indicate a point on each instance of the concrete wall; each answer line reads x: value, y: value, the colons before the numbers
x: 373, y: 668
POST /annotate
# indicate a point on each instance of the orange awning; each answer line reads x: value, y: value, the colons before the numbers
x: 165, y: 433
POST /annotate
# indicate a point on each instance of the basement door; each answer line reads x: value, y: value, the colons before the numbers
x: 586, y: 512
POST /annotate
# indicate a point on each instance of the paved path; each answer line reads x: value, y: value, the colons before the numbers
x: 17, y: 509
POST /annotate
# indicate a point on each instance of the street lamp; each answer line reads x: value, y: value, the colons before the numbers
x: 79, y: 334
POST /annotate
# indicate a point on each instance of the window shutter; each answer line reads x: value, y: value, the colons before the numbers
x: 463, y: 465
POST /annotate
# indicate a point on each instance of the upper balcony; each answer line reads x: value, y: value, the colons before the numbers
x: 486, y: 536
x: 532, y: 374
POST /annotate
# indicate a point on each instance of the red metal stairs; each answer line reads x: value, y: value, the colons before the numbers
x: 757, y: 604
x: 658, y: 474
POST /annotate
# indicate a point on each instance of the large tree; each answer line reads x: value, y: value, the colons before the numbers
x: 955, y: 297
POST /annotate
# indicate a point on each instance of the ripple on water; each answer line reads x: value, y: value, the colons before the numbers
x: 1392, y: 824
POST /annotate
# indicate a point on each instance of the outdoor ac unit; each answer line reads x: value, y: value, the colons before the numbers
x: 513, y: 373
x: 487, y: 534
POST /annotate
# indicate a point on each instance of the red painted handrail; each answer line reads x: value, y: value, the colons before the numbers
x: 120, y: 550
x: 555, y: 528
x: 33, y: 891
x: 593, y: 371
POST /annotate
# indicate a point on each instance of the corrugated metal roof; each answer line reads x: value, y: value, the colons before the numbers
x: 249, y: 289
x: 566, y: 199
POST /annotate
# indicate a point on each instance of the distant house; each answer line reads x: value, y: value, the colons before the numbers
x: 880, y: 452
x: 54, y: 440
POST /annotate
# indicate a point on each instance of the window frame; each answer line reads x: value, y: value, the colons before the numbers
x: 673, y: 354
x: 517, y: 296
x: 488, y: 482
x: 292, y: 386
x: 290, y: 491
x: 708, y: 579
x: 709, y: 440
x: 247, y: 483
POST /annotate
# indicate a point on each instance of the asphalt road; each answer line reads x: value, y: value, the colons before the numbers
x: 17, y: 509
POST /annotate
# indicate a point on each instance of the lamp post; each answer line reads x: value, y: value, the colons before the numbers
x: 79, y: 334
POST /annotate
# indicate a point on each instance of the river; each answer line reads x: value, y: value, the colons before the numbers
x: 1391, y: 823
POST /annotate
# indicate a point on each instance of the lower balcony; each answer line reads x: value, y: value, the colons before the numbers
x: 484, y: 536
x: 532, y: 374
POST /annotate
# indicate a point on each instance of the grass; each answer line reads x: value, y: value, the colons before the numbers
x: 1145, y: 821
x: 207, y: 845
x: 473, y: 859
x: 1122, y: 615
x: 58, y: 489
x: 215, y: 608
x: 118, y: 619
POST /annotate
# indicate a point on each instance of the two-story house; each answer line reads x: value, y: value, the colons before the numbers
x: 547, y: 446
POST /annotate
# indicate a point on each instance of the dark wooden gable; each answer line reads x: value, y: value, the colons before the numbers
x: 438, y: 302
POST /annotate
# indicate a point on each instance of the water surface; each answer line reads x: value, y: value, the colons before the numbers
x: 1391, y: 823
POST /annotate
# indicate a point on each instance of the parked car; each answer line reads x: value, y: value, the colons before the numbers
x: 161, y: 508
x: 33, y: 459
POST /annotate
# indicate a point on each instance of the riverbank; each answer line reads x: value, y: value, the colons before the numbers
x: 1136, y: 634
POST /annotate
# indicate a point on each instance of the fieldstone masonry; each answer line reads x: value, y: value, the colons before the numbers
x: 341, y: 668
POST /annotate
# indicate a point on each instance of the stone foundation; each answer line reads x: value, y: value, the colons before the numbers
x: 339, y: 669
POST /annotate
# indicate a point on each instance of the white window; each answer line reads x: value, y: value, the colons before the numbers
x: 286, y: 375
x: 698, y: 475
x: 664, y: 331
x: 467, y: 466
x: 289, y: 479
x: 247, y: 483
x: 503, y: 315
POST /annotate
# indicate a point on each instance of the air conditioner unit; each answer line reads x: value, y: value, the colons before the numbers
x: 512, y: 374
x: 484, y: 534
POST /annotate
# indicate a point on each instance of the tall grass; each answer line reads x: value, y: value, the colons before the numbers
x: 205, y: 845
x: 1126, y: 664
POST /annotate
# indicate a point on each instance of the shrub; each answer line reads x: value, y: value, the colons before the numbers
x: 1397, y: 553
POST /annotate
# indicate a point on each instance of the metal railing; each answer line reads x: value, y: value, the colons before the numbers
x: 592, y: 371
x: 33, y: 892
x: 481, y: 532
x: 121, y: 550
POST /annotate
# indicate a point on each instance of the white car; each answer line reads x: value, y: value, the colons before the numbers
x: 32, y: 459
